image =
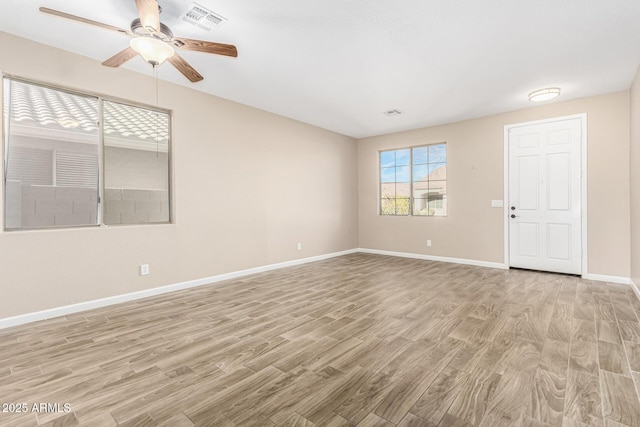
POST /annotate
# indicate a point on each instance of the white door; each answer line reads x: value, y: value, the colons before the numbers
x: 545, y: 196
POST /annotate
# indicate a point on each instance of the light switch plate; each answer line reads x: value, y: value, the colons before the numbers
x: 497, y: 204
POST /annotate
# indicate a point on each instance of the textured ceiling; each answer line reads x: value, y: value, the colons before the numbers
x: 340, y: 64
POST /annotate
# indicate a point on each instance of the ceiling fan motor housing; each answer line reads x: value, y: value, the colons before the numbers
x: 138, y: 29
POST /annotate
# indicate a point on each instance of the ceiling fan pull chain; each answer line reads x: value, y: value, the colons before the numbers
x: 155, y: 78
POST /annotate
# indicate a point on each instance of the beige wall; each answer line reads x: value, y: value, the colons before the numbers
x: 635, y: 180
x: 473, y: 230
x: 248, y: 185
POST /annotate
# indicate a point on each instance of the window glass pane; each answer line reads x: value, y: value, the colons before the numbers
x: 437, y: 187
x: 420, y: 172
x: 52, y: 147
x: 403, y: 157
x: 421, y: 191
x: 403, y: 174
x: 437, y: 171
x: 388, y: 206
x: 420, y: 155
x: 388, y: 174
x: 403, y: 190
x: 388, y: 190
x: 421, y: 206
x: 387, y: 159
x: 437, y: 153
x: 438, y: 206
x: 136, y: 164
x: 402, y: 206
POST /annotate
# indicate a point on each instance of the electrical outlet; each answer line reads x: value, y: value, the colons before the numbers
x: 144, y: 269
x: 299, y: 246
x: 429, y: 243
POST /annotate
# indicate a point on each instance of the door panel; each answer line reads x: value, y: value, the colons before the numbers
x: 558, y: 175
x: 544, y: 196
x: 559, y: 136
x: 530, y: 140
x: 528, y: 183
x: 559, y: 237
x: 528, y: 238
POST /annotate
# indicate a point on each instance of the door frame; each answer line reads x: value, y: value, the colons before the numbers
x: 583, y: 184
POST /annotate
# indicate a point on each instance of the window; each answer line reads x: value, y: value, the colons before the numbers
x: 413, y: 181
x: 77, y: 160
x: 136, y: 159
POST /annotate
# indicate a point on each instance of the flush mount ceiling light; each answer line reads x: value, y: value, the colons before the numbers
x: 153, y: 50
x: 544, y: 94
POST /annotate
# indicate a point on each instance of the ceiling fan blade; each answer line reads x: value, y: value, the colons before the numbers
x: 149, y: 14
x: 205, y: 46
x: 84, y: 20
x: 120, y: 58
x: 187, y: 70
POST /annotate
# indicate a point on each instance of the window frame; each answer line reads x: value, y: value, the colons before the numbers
x: 101, y: 98
x: 411, y: 179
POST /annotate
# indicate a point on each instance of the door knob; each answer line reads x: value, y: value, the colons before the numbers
x: 513, y: 208
x: 513, y: 216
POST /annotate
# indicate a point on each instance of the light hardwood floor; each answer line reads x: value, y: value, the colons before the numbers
x: 362, y: 340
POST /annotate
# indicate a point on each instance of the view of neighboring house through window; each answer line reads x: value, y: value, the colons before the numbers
x: 136, y: 159
x: 413, y: 181
x: 51, y: 157
x: 56, y: 153
x: 395, y: 182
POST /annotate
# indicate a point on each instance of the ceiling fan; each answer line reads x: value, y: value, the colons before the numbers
x: 153, y: 40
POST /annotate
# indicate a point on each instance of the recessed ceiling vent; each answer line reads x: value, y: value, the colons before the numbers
x: 392, y: 113
x: 201, y: 17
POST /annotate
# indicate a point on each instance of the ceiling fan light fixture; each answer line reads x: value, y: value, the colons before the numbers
x: 158, y: 45
x: 154, y: 51
x: 544, y: 94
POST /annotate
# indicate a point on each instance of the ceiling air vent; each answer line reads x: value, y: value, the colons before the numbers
x: 201, y: 17
x: 392, y: 113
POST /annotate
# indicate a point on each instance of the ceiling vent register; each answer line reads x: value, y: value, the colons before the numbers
x: 202, y: 17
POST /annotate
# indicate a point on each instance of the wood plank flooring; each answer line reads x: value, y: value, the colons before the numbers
x: 358, y: 340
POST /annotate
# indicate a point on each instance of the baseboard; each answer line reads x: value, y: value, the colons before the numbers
x: 635, y: 288
x: 117, y: 299
x: 605, y: 278
x: 436, y: 258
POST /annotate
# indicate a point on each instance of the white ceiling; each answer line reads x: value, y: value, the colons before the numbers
x: 339, y: 64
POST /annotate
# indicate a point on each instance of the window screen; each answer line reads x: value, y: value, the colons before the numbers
x: 51, y: 157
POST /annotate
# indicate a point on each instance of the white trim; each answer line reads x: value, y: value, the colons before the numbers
x: 117, y: 299
x: 605, y: 278
x: 583, y: 174
x: 505, y: 197
x: 436, y: 258
x: 583, y: 183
